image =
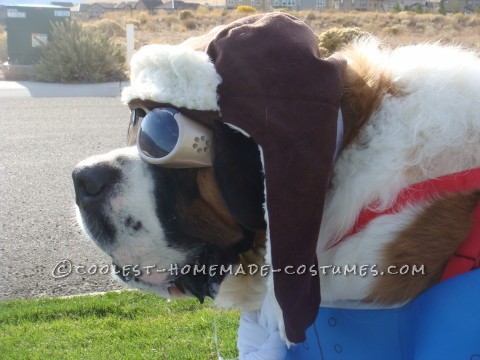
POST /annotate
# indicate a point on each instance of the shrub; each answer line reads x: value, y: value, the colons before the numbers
x: 3, y: 47
x: 186, y: 14
x: 473, y: 21
x: 190, y: 24
x: 334, y: 39
x: 133, y: 21
x: 396, y: 8
x: 79, y: 54
x: 393, y: 30
x: 203, y: 10
x: 442, y: 9
x: 110, y: 27
x: 152, y: 26
x: 311, y: 16
x: 437, y: 19
x: 459, y: 19
x: 246, y: 9
x: 169, y: 20
x: 143, y: 17
x: 418, y: 9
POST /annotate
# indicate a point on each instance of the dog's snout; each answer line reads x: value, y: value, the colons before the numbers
x: 92, y: 183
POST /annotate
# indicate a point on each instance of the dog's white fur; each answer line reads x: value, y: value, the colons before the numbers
x: 432, y: 130
x: 134, y: 197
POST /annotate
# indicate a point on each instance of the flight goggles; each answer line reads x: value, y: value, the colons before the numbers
x: 166, y: 137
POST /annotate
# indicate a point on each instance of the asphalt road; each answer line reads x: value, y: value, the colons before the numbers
x: 41, y: 140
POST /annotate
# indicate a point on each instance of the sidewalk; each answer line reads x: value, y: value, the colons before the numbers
x: 37, y: 89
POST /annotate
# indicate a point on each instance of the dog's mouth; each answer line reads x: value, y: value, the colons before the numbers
x: 165, y: 288
x: 199, y: 277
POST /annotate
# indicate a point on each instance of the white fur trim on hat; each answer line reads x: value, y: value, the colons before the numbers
x: 176, y: 75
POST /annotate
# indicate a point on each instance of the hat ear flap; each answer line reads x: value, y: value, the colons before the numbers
x: 239, y: 173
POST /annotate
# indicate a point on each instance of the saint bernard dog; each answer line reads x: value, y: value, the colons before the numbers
x: 410, y: 115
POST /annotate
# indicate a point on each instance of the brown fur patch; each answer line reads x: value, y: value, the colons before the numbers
x: 210, y: 192
x: 207, y: 216
x: 430, y: 240
x: 364, y: 89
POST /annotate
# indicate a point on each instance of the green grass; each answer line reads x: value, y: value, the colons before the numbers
x: 124, y: 325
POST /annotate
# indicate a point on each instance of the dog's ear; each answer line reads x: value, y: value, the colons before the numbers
x: 239, y: 172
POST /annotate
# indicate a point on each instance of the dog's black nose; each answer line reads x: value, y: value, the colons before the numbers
x: 92, y: 183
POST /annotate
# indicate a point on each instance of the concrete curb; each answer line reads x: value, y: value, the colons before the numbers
x: 37, y: 89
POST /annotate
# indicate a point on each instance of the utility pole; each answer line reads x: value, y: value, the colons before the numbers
x: 130, y: 42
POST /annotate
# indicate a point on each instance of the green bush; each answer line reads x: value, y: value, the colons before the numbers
x: 334, y: 39
x: 442, y: 9
x: 246, y: 9
x: 79, y: 54
x: 418, y: 9
x: 396, y: 8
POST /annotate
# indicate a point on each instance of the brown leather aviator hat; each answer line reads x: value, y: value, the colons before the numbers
x: 263, y: 74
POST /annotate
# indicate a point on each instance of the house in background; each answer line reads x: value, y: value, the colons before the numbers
x: 390, y: 5
x: 471, y: 6
x: 148, y: 5
x: 411, y: 4
x: 87, y: 11
x: 261, y: 5
x: 125, y: 5
x: 62, y: 4
x: 359, y: 5
x: 461, y: 6
x: 433, y: 6
x: 301, y: 4
x: 318, y: 5
x: 106, y: 5
x: 177, y: 5
x: 3, y: 14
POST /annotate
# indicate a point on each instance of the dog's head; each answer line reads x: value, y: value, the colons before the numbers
x: 159, y: 225
x: 262, y: 75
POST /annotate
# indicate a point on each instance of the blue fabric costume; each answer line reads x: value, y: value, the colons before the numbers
x: 442, y: 323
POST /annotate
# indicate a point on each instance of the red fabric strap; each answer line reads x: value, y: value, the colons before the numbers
x: 422, y: 191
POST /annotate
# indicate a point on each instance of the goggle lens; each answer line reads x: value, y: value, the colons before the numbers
x: 159, y: 133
